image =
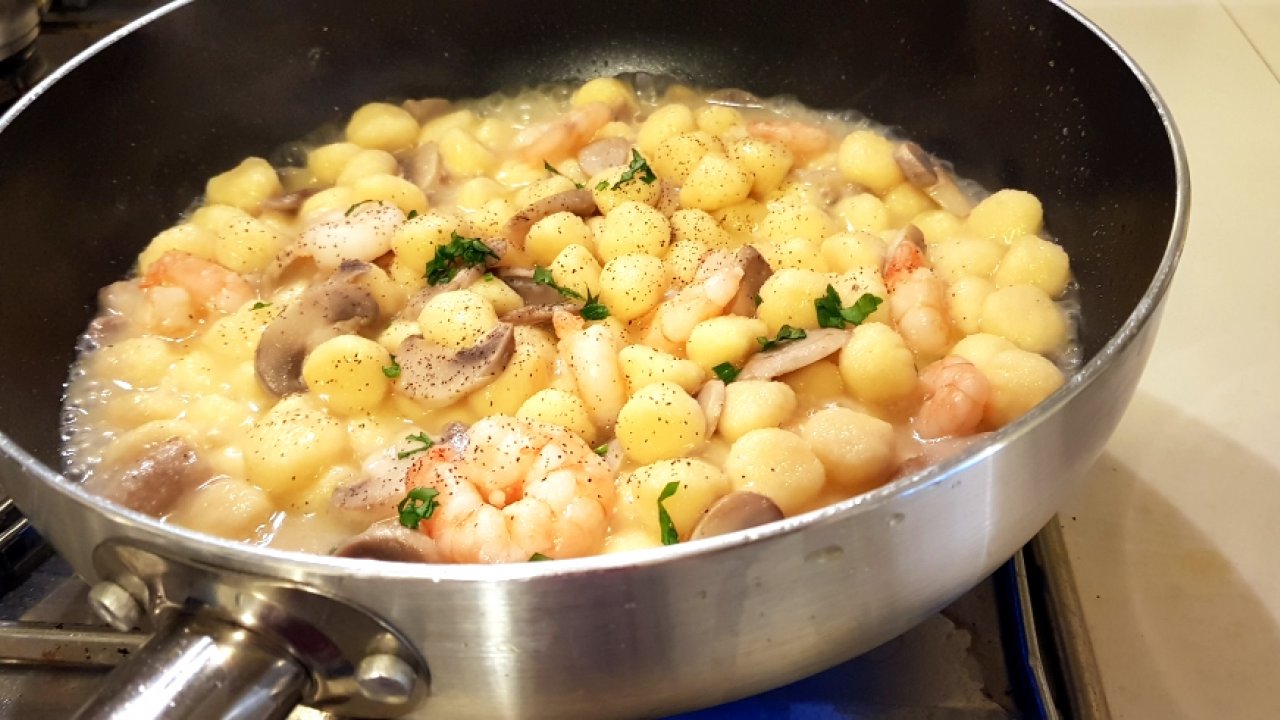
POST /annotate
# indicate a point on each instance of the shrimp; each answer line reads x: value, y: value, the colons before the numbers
x: 917, y: 298
x: 591, y: 354
x: 559, y: 139
x: 363, y: 233
x: 803, y: 140
x: 179, y: 288
x: 956, y: 392
x: 714, y: 287
x: 519, y: 488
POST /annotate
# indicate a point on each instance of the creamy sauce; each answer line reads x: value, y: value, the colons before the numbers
x: 175, y: 358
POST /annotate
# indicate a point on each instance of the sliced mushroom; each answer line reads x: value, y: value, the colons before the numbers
x: 538, y: 314
x: 155, y: 480
x: 441, y: 375
x: 734, y: 97
x: 736, y: 511
x: 711, y: 399
x: 422, y: 166
x: 289, y: 202
x: 816, y: 345
x: 924, y: 172
x: 578, y: 201
x: 465, y: 278
x: 533, y: 293
x: 426, y: 108
x: 390, y: 541
x: 603, y: 154
x: 339, y: 305
x: 755, y: 271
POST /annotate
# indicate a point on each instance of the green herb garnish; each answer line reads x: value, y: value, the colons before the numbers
x: 353, y: 207
x: 665, y: 525
x: 426, y: 444
x: 638, y: 170
x: 459, y: 253
x: 593, y: 309
x: 412, y: 214
x: 726, y: 372
x: 539, y: 557
x: 259, y: 305
x: 786, y: 334
x: 551, y: 169
x: 417, y: 506
x: 832, y: 315
x: 602, y: 450
x: 542, y: 276
x: 393, y: 370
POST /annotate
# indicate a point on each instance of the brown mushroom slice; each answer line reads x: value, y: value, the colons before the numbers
x: 922, y: 171
x: 531, y: 292
x: 153, y: 482
x: 339, y: 305
x: 711, y: 399
x: 755, y: 271
x: 603, y: 154
x: 441, y: 375
x: 738, y: 510
x: 426, y: 108
x: 734, y: 97
x: 578, y: 201
x: 422, y: 166
x: 464, y: 279
x: 390, y: 541
x: 289, y: 202
x: 538, y: 314
x: 816, y: 345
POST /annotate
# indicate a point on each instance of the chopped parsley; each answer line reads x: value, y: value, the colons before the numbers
x: 417, y: 506
x: 461, y: 252
x: 726, y: 372
x: 638, y: 170
x: 593, y: 309
x: 393, y: 370
x: 665, y: 525
x: 832, y: 315
x: 539, y: 557
x: 551, y: 169
x: 425, y: 444
x: 542, y: 276
x: 602, y: 450
x: 412, y: 214
x: 259, y: 305
x: 353, y: 207
x: 786, y: 334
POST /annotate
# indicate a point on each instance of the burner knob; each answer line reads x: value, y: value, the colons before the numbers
x: 115, y: 606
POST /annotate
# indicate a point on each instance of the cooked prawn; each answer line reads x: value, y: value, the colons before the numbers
x: 557, y: 140
x: 714, y: 286
x: 518, y: 488
x: 591, y: 354
x: 917, y: 298
x: 179, y: 289
x: 803, y: 140
x: 363, y: 233
x: 956, y: 392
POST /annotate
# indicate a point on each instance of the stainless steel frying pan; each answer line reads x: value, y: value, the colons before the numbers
x: 109, y: 151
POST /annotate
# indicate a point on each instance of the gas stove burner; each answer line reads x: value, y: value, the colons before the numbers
x: 19, y: 73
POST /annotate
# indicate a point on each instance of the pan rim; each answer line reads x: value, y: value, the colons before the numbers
x: 291, y: 563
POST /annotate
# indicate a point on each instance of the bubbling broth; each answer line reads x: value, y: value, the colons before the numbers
x: 561, y: 322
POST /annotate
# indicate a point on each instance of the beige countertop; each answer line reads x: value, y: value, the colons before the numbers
x: 1176, y: 537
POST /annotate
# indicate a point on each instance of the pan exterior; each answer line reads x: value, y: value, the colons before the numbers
x: 652, y: 632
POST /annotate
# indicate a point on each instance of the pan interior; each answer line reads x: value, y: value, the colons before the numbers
x: 1015, y: 94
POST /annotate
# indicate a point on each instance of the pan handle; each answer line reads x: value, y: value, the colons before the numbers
x: 199, y: 667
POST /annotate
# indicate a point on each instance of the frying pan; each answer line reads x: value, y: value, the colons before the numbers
x: 111, y: 150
